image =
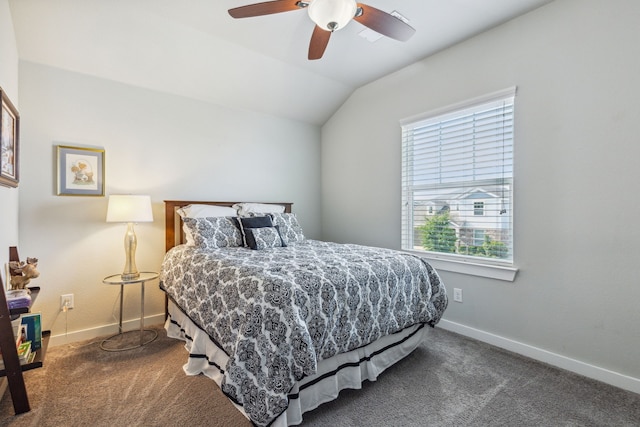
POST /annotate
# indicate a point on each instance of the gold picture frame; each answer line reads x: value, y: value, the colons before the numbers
x: 80, y: 171
x: 9, y: 143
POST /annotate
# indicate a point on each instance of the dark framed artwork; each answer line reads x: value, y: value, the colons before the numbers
x: 80, y: 171
x: 9, y: 143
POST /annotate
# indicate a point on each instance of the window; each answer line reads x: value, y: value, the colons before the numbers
x: 458, y: 163
x: 478, y: 208
x: 478, y: 237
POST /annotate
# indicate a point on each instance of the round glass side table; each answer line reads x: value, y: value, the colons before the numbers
x: 120, y: 341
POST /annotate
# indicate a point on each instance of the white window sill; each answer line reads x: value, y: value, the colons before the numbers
x: 491, y: 271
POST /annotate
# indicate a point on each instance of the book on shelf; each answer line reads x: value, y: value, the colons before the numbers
x: 28, y: 335
x: 24, y: 351
x: 33, y: 324
x: 25, y: 355
x: 21, y: 335
x: 15, y: 324
x: 18, y: 298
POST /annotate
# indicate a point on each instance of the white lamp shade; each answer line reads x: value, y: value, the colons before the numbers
x: 129, y: 208
x: 331, y: 15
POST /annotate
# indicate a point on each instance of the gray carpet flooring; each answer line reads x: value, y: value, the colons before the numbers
x: 449, y: 380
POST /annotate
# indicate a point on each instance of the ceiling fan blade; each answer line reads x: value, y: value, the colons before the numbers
x: 384, y: 23
x: 319, y: 41
x: 266, y: 8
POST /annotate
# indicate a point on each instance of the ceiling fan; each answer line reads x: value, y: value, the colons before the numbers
x: 330, y: 16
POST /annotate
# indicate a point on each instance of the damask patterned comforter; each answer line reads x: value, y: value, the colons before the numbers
x: 277, y: 312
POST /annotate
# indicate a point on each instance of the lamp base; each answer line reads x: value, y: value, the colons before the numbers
x: 130, y: 276
x: 130, y: 271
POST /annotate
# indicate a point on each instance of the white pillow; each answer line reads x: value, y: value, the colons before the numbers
x: 246, y: 209
x: 205, y: 211
x: 202, y: 211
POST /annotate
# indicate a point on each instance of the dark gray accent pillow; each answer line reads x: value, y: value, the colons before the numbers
x: 253, y: 222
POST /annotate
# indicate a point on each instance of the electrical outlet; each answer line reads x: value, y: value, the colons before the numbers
x: 457, y: 294
x: 66, y: 302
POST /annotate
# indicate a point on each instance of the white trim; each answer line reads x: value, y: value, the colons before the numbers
x: 462, y: 266
x: 471, y: 265
x: 104, y: 330
x: 581, y: 368
x: 498, y: 95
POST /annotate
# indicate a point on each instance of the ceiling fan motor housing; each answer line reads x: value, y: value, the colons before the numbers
x: 332, y: 15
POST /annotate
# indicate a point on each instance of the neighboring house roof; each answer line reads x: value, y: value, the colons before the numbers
x: 473, y: 193
x: 432, y: 202
x: 477, y: 193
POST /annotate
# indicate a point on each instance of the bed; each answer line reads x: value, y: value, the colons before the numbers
x: 285, y: 324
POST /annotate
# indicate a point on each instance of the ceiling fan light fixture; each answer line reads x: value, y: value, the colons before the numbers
x: 332, y: 15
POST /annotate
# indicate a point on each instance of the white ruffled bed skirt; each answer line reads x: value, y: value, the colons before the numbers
x: 347, y: 370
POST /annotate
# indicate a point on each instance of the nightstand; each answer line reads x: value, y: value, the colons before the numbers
x: 118, y: 342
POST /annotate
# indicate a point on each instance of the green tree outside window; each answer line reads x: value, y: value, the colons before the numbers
x: 438, y: 235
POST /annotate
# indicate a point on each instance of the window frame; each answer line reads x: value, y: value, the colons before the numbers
x: 477, y: 266
x: 478, y: 208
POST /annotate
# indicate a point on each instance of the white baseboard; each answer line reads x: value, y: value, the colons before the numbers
x: 606, y: 376
x: 101, y: 331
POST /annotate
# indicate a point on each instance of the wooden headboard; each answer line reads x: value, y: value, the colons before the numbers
x: 173, y: 223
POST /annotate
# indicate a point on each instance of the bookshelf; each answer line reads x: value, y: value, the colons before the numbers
x: 12, y: 368
x: 14, y: 314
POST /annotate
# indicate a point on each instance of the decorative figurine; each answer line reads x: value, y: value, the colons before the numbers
x: 22, y: 273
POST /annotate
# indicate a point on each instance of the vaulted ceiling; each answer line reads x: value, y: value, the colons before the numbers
x: 193, y: 48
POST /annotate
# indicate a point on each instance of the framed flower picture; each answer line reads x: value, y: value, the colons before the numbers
x: 80, y: 171
x: 9, y: 142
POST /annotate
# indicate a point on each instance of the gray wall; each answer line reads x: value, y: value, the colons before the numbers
x: 576, y: 65
x: 158, y: 144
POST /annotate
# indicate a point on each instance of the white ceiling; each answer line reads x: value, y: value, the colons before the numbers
x: 193, y: 48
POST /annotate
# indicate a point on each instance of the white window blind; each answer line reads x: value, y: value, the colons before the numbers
x: 457, y: 180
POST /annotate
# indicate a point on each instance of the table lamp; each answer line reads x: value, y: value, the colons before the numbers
x: 129, y: 209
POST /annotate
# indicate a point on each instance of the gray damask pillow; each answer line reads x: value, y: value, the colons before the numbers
x: 263, y: 238
x: 290, y: 229
x: 212, y: 233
